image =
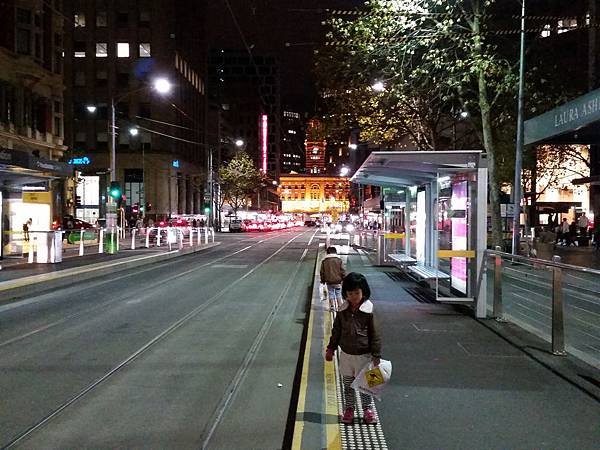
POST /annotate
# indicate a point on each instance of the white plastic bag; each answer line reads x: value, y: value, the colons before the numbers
x: 373, y: 379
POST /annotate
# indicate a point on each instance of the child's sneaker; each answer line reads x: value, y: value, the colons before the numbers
x: 369, y: 416
x: 348, y: 416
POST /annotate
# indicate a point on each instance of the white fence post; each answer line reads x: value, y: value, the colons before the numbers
x: 81, y: 242
x: 148, y: 229
x: 191, y: 237
x: 118, y: 235
x: 133, y: 239
x: 32, y: 242
x: 101, y: 240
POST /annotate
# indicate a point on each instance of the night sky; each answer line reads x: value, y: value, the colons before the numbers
x: 267, y: 25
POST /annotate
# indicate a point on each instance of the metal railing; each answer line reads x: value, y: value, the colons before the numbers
x: 557, y: 302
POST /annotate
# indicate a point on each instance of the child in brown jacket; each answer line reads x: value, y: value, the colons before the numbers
x: 332, y: 273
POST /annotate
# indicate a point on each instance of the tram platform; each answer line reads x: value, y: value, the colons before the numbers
x: 457, y: 382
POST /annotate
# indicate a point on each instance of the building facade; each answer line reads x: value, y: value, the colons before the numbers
x: 33, y: 179
x: 315, y: 146
x: 293, y: 157
x: 116, y: 50
x: 314, y: 194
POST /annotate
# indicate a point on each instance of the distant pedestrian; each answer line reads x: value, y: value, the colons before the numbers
x: 563, y: 232
x: 583, y: 224
x: 355, y: 332
x: 572, y: 234
x: 26, y: 227
x: 332, y: 273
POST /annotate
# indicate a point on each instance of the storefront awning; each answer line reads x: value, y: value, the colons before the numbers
x: 413, y: 168
x: 575, y: 122
x: 18, y: 168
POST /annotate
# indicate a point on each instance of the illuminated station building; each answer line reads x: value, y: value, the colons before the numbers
x: 314, y: 193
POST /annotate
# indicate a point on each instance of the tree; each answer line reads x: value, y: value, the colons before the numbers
x: 437, y: 58
x: 238, y: 178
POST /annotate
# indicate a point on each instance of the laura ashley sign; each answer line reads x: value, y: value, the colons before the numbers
x: 573, y: 114
x: 564, y: 119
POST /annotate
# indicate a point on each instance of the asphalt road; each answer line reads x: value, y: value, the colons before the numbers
x: 197, y: 352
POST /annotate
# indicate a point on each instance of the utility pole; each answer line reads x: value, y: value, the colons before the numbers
x: 520, y: 132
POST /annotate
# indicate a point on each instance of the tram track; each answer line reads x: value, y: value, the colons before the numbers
x: 169, y: 330
x: 131, y: 273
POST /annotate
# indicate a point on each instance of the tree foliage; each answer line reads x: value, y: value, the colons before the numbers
x: 437, y: 58
x: 238, y: 179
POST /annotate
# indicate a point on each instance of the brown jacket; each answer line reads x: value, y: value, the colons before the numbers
x: 332, y: 269
x: 356, y: 332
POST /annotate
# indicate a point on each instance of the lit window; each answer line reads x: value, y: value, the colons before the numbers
x: 79, y: 19
x: 546, y: 31
x: 145, y: 50
x: 122, y: 49
x: 79, y: 49
x: 101, y: 49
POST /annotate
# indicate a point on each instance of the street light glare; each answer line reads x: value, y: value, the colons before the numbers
x: 344, y: 171
x: 133, y: 131
x: 352, y: 146
x: 239, y: 143
x: 91, y: 108
x: 162, y: 85
x: 378, y: 86
x: 464, y: 114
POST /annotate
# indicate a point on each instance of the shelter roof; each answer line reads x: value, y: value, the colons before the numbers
x: 411, y: 168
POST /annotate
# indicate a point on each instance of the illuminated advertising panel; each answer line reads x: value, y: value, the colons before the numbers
x: 420, y: 228
x: 458, y: 205
x: 264, y: 141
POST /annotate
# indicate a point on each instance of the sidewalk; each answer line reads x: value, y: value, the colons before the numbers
x: 457, y: 383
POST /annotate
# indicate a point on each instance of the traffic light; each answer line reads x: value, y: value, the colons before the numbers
x: 206, y: 209
x: 115, y: 191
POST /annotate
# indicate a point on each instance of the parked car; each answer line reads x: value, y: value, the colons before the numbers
x: 310, y: 223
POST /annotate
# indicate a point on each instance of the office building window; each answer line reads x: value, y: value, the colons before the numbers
x: 79, y: 78
x: 79, y: 19
x: 101, y: 78
x: 79, y: 49
x: 23, y: 41
x: 122, y: 19
x: 123, y: 49
x: 101, y: 49
x: 101, y: 19
x: 144, y: 17
x: 145, y: 50
x: 23, y: 16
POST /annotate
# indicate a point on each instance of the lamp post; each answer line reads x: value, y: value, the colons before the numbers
x: 160, y: 85
x: 520, y: 132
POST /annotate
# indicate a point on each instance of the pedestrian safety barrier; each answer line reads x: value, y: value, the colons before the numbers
x: 557, y: 302
x: 47, y: 246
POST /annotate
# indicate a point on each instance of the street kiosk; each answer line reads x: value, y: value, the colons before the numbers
x: 439, y: 211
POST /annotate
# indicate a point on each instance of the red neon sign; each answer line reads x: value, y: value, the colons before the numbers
x: 264, y: 129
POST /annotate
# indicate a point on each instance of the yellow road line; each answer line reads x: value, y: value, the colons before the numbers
x: 299, y: 424
x: 332, y: 430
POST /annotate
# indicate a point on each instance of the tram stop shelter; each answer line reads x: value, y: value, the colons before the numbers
x: 437, y: 201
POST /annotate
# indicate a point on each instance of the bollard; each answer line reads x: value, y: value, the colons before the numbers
x: 133, y: 238
x: 148, y: 237
x: 101, y: 240
x: 32, y: 241
x: 380, y: 249
x: 179, y: 238
x: 81, y: 242
x: 206, y: 235
x: 118, y: 238
x: 158, y: 237
x: 191, y: 237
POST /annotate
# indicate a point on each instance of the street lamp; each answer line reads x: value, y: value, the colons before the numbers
x: 91, y: 108
x: 239, y: 143
x: 378, y: 86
